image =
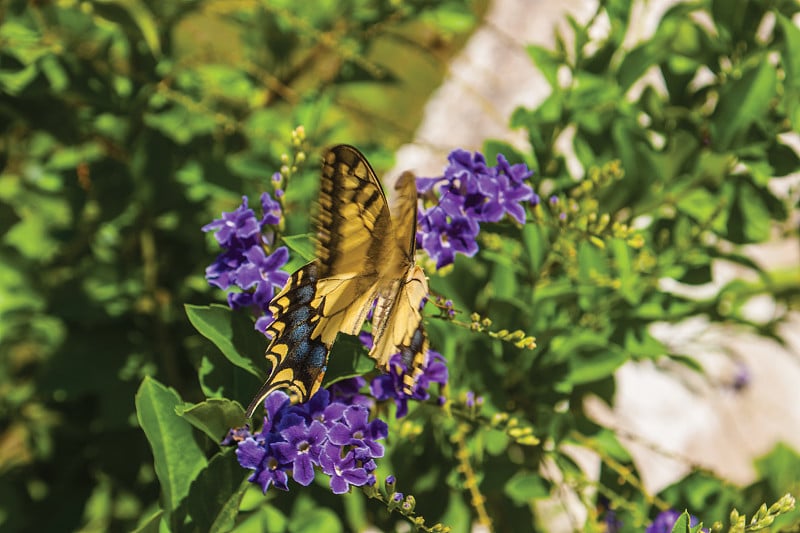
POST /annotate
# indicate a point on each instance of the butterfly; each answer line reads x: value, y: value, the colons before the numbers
x: 364, y: 256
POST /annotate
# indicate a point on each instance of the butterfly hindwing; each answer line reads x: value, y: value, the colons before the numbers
x: 365, y: 253
x: 397, y: 321
x: 298, y: 359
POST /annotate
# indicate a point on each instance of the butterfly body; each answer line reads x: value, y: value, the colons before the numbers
x: 365, y: 255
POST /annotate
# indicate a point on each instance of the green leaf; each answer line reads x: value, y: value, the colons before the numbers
x: 502, y: 281
x: 608, y: 441
x: 220, y: 379
x: 131, y: 13
x: 231, y: 332
x: 450, y: 17
x: 779, y: 468
x: 302, y: 247
x: 496, y: 441
x: 214, y: 417
x: 640, y: 343
x: 525, y: 487
x: 637, y: 61
x: 247, y: 165
x: 313, y: 520
x: 152, y: 524
x: 590, y: 366
x: 177, y: 457
x: 791, y: 45
x: 783, y: 159
x: 696, y: 274
x: 629, y: 278
x: 16, y: 82
x: 22, y: 43
x: 265, y: 518
x: 698, y: 528
x: 750, y: 219
x: 700, y: 204
x: 547, y: 62
x: 535, y: 242
x: 348, y: 359
x: 741, y: 103
x: 214, y: 497
x: 682, y: 524
x: 492, y: 148
x: 180, y: 124
x: 355, y: 510
x: 689, y: 362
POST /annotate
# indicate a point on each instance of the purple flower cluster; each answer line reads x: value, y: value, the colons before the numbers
x: 389, y: 386
x: 470, y: 192
x: 244, y: 263
x: 324, y: 433
x: 331, y: 432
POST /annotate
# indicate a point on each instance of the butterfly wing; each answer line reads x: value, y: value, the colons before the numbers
x: 352, y: 223
x: 298, y: 359
x: 397, y: 322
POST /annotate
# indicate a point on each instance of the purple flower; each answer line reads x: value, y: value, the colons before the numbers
x: 612, y: 523
x: 344, y: 471
x: 244, y: 262
x: 441, y: 236
x: 516, y: 173
x: 665, y: 520
x: 608, y: 516
x: 470, y: 192
x: 742, y: 378
x: 220, y: 272
x: 258, y: 457
x: 321, y: 409
x: 276, y: 405
x: 302, y: 448
x: 237, y: 228
x: 470, y: 401
x: 263, y: 272
x: 271, y: 210
x: 348, y: 391
x: 355, y: 430
x: 390, y: 386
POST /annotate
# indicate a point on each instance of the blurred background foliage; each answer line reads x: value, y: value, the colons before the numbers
x: 129, y: 124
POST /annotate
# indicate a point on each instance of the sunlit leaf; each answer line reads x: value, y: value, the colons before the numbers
x: 177, y: 457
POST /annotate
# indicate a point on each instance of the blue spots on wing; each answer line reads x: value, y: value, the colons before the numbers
x: 298, y: 333
x: 414, y: 347
x: 319, y: 356
x: 304, y: 294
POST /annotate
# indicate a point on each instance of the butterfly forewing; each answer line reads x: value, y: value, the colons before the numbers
x: 353, y: 217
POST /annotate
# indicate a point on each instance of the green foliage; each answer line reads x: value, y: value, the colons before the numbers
x: 127, y: 127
